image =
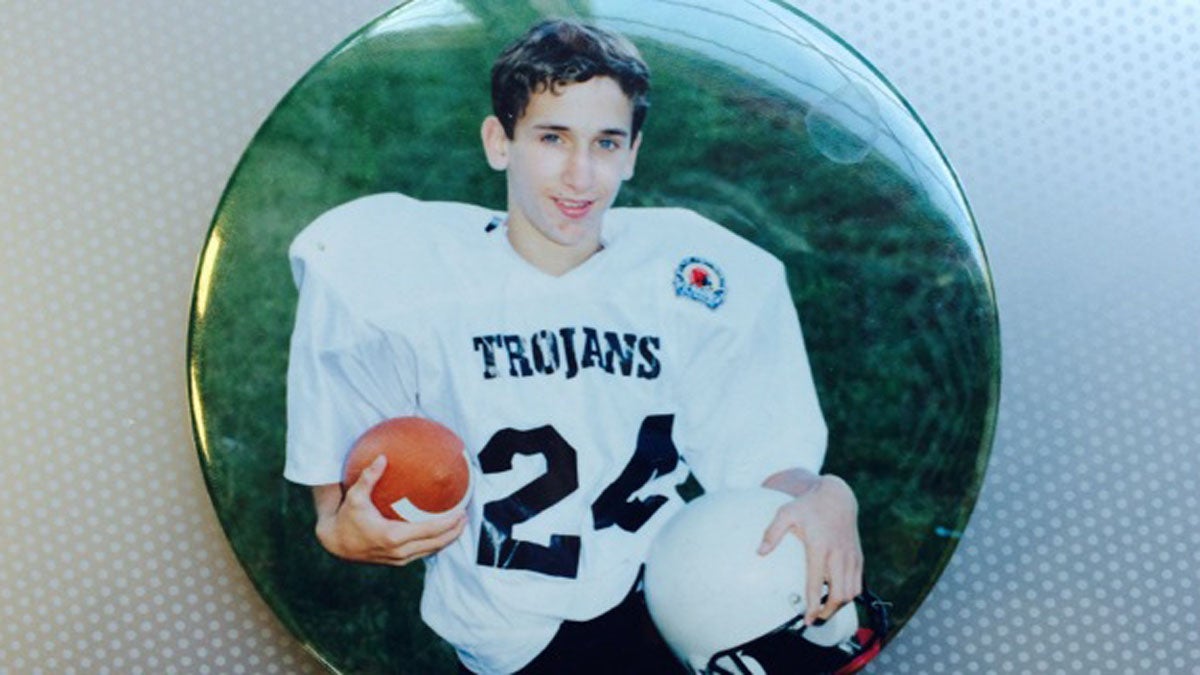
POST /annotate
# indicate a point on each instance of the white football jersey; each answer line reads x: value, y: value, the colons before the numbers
x: 583, y: 399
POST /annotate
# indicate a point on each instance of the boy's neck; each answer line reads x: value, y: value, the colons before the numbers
x: 550, y: 257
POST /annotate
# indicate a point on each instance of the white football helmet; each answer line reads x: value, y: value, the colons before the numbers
x: 723, y: 608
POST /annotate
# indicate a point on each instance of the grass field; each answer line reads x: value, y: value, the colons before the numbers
x: 893, y: 293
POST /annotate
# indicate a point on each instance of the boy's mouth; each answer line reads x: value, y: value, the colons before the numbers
x: 574, y: 208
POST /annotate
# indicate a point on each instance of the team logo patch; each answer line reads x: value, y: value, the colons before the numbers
x: 700, y: 280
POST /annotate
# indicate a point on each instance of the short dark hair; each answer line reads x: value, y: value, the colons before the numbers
x: 557, y: 52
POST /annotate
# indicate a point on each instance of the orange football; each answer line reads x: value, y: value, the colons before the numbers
x: 427, y: 475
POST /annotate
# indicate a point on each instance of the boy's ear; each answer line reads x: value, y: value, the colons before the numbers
x: 631, y: 161
x: 495, y: 143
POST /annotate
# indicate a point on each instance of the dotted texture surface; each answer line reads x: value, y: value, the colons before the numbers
x: 1073, y: 126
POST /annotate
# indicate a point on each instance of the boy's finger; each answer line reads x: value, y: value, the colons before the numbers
x: 359, y: 494
x: 774, y: 534
x: 814, y: 584
x: 423, y: 546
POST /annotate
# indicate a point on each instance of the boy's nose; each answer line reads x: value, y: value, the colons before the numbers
x: 579, y: 172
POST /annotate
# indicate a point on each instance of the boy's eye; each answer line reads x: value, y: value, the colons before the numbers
x: 551, y: 138
x: 609, y: 144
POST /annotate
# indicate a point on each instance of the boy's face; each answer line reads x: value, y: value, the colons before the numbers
x: 565, y: 163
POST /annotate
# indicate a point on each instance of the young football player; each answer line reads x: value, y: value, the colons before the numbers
x: 590, y: 359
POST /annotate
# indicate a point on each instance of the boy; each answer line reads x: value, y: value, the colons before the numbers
x: 589, y: 359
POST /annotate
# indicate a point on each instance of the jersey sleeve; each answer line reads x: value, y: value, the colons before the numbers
x: 343, y: 376
x: 752, y: 407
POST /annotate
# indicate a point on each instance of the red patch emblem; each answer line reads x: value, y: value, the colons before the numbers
x: 700, y: 280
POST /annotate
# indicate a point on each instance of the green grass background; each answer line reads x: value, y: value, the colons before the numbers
x: 895, y: 300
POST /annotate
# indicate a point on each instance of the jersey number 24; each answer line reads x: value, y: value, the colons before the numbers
x: 654, y: 456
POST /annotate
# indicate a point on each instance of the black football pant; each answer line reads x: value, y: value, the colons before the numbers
x: 622, y: 641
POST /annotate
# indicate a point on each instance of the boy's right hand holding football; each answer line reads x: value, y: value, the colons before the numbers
x: 350, y: 526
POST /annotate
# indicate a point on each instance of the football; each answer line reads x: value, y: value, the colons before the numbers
x: 427, y: 474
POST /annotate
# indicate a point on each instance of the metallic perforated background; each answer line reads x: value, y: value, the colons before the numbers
x: 1074, y: 126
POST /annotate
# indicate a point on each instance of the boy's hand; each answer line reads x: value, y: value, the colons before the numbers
x: 824, y: 516
x: 353, y: 529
